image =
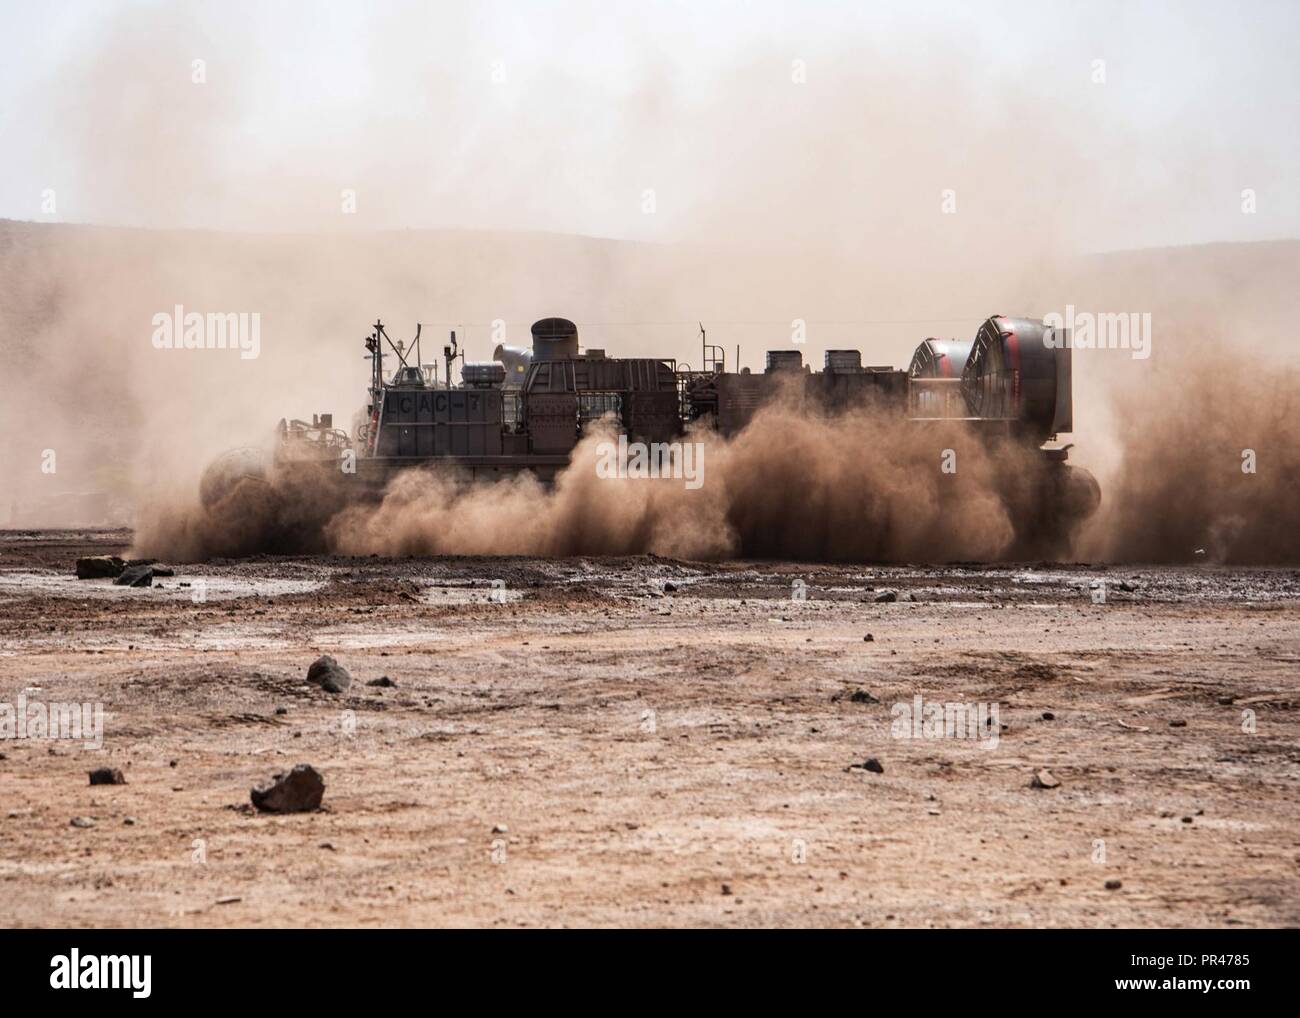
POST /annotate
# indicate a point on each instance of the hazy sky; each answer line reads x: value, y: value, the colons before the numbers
x: 571, y: 117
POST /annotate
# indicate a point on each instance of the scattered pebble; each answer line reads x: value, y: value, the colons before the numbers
x: 297, y: 791
x: 383, y: 680
x: 107, y: 776
x: 83, y: 821
x: 1043, y: 779
x: 99, y: 567
x: 135, y: 576
x: 885, y: 597
x: 329, y: 675
x: 1114, y: 885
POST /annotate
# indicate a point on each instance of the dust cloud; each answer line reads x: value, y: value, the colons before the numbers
x: 781, y: 488
x: 1210, y: 466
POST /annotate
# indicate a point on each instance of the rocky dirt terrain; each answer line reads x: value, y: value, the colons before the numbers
x: 643, y: 741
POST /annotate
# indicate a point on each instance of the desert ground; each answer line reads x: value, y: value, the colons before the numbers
x: 643, y: 741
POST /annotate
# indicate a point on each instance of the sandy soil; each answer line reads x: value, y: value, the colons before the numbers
x: 650, y: 756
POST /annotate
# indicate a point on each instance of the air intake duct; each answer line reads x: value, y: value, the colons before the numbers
x: 515, y: 360
x: 554, y: 339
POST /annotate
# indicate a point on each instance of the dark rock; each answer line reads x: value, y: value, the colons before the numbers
x: 873, y: 765
x: 868, y: 639
x: 862, y: 696
x: 329, y: 675
x: 163, y: 571
x: 1043, y: 779
x: 82, y: 821
x: 1178, y: 723
x: 99, y: 567
x: 1048, y: 716
x: 135, y: 576
x: 107, y: 776
x: 885, y: 597
x: 670, y: 587
x: 1113, y: 885
x: 298, y: 791
x: 383, y: 680
x: 281, y: 711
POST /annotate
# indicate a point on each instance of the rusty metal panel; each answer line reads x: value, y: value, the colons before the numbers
x: 456, y: 420
x: 651, y: 375
x: 651, y: 416
x: 552, y: 421
x: 441, y: 422
x: 839, y: 392
x: 739, y: 396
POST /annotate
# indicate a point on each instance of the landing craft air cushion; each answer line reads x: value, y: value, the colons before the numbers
x: 527, y: 409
